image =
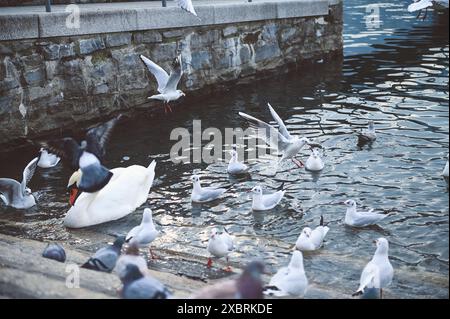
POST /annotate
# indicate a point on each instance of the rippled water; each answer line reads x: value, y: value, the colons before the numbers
x: 396, y: 75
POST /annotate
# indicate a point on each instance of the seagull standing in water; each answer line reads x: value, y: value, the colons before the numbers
x: 87, y: 156
x: 204, y: 194
x: 234, y: 166
x: 220, y: 245
x: 367, y: 135
x: 309, y: 239
x: 16, y: 194
x: 167, y: 85
x: 145, y: 233
x: 314, y: 162
x: 46, y: 159
x: 262, y: 201
x: 360, y: 219
x: 379, y: 272
x: 280, y: 138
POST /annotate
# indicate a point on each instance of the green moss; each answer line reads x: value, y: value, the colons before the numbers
x: 99, y: 57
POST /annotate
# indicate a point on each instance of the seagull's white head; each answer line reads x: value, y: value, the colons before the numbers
x: 181, y: 93
x: 147, y: 215
x: 350, y: 203
x: 257, y: 190
x: 233, y: 154
x: 382, y: 245
x: 315, y: 153
x: 307, y: 231
x: 195, y: 178
x: 296, y: 260
x: 28, y: 191
x: 214, y: 232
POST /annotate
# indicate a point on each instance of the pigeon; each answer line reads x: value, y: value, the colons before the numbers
x: 247, y: 286
x: 87, y: 156
x: 290, y: 280
x: 360, y: 219
x: 368, y: 135
x: 131, y: 256
x: 262, y: 202
x: 310, y: 240
x: 220, y: 245
x: 280, y: 138
x: 54, y: 251
x: 46, y: 159
x: 379, y: 272
x: 314, y: 162
x: 204, y: 194
x: 167, y: 85
x: 16, y: 194
x: 138, y: 286
x: 105, y: 258
x: 145, y: 233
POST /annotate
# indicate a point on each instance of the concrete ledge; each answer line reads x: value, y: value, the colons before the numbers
x: 32, y: 22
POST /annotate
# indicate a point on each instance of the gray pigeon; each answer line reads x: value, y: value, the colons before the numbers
x: 55, y: 252
x: 138, y: 286
x: 105, y: 258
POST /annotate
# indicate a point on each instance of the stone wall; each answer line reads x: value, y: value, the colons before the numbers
x: 53, y: 83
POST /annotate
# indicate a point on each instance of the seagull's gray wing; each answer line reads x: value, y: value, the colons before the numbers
x: 160, y: 75
x: 9, y: 188
x: 272, y: 199
x: 175, y: 75
x: 187, y: 5
x: 419, y: 5
x: 66, y: 148
x: 281, y: 127
x: 28, y: 173
x: 267, y: 132
x: 211, y: 193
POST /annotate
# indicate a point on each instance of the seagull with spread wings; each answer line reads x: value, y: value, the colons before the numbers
x: 280, y: 138
x: 167, y: 84
x: 16, y: 194
x: 87, y: 156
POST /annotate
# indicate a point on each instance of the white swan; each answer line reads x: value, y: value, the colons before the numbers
x: 127, y: 190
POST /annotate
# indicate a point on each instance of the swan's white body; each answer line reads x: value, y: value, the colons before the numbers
x: 127, y: 190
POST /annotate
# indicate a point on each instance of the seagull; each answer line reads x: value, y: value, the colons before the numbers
x: 312, y: 239
x: 138, y: 286
x: 87, y: 156
x: 314, y: 162
x: 379, y: 272
x: 46, y: 159
x: 105, y: 258
x: 419, y: 5
x: 16, y: 194
x: 367, y: 135
x: 204, y: 194
x: 280, y: 138
x: 267, y: 201
x: 54, y: 251
x: 167, y: 85
x: 247, y: 286
x: 234, y: 166
x: 290, y: 280
x: 187, y: 5
x: 445, y: 171
x: 131, y: 256
x: 360, y: 219
x: 220, y: 245
x: 145, y: 233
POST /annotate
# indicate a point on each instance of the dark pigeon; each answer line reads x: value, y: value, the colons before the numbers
x: 138, y: 286
x: 55, y: 252
x: 105, y: 258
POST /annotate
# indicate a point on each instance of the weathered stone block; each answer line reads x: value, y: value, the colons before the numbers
x: 88, y: 46
x: 201, y: 60
x: 118, y: 39
x: 148, y: 37
x: 35, y: 77
x: 175, y: 33
x: 267, y: 51
x: 231, y: 30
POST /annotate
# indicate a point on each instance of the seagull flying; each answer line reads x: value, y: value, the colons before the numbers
x: 16, y: 194
x: 280, y: 138
x: 87, y: 156
x: 167, y: 85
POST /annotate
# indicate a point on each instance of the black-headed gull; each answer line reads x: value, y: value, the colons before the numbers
x: 139, y: 286
x: 204, y: 194
x: 360, y: 219
x: 445, y: 171
x: 187, y: 5
x: 87, y: 156
x: 309, y: 239
x: 234, y: 166
x: 367, y: 135
x: 290, y: 280
x: 105, y: 258
x: 167, y: 85
x: 379, y: 272
x: 131, y: 256
x: 219, y: 245
x: 16, y: 194
x: 46, y: 159
x: 280, y: 138
x: 145, y: 233
x: 314, y: 162
x: 262, y: 201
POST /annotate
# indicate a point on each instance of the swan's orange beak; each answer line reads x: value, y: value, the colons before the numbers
x: 73, y: 195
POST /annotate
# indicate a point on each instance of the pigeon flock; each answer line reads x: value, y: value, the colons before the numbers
x: 99, y: 195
